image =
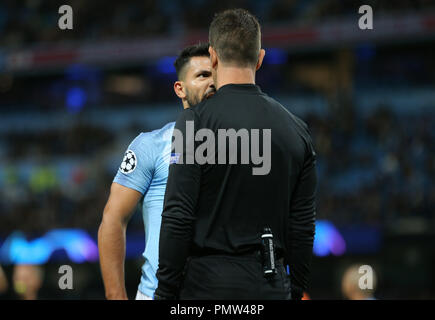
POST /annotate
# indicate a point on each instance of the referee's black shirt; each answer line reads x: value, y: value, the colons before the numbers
x: 224, y: 207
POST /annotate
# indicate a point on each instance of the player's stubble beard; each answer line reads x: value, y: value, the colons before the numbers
x: 193, y: 100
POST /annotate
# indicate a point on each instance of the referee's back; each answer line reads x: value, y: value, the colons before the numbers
x: 216, y: 213
x: 259, y: 173
x: 235, y: 204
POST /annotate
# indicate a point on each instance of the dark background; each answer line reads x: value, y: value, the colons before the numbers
x: 72, y: 100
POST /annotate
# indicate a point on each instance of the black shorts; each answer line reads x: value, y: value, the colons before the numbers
x: 223, y: 277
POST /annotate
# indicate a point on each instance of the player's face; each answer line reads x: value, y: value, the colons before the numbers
x: 198, y: 82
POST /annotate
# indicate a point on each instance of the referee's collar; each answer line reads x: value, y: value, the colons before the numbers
x: 243, y: 87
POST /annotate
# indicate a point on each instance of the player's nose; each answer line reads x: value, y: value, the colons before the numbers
x: 211, y: 87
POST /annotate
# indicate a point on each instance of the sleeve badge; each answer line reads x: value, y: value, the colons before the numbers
x: 129, y: 163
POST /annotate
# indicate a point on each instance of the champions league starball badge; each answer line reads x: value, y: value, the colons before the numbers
x: 129, y: 162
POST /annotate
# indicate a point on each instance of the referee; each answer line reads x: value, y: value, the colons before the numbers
x: 219, y: 215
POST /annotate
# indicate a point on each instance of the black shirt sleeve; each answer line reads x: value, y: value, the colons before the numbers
x: 178, y: 215
x: 302, y: 225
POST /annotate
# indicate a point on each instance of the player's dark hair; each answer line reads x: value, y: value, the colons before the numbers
x: 197, y: 50
x: 235, y: 35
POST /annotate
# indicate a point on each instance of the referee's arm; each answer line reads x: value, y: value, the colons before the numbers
x: 302, y: 226
x: 176, y: 231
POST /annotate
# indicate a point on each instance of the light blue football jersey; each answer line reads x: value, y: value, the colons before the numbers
x: 145, y: 169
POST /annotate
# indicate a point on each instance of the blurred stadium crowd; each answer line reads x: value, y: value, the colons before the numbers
x: 63, y: 133
x: 29, y: 22
x: 372, y: 170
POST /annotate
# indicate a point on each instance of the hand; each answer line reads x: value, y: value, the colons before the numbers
x: 296, y: 292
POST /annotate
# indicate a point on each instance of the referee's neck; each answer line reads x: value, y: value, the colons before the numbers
x: 234, y: 75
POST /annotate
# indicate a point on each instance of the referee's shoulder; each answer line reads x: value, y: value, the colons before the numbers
x: 299, y: 123
x: 300, y: 127
x: 304, y: 132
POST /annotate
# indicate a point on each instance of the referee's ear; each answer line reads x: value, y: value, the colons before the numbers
x: 213, y: 57
x: 260, y: 59
x: 179, y: 89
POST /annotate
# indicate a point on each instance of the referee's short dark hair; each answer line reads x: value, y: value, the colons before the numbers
x: 235, y: 35
x: 197, y: 50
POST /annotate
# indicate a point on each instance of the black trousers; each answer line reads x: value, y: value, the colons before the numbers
x: 223, y: 277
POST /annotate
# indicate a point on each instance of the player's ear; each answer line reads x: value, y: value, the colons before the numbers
x: 213, y: 57
x: 179, y: 89
x: 260, y: 59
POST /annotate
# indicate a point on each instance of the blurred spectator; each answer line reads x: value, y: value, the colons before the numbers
x: 27, y: 281
x: 350, y: 285
x: 3, y: 282
x: 35, y: 21
x: 384, y: 171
